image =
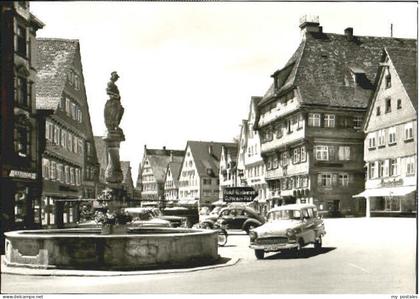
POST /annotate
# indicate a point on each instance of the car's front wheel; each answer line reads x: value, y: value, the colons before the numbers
x: 318, y: 243
x: 259, y: 253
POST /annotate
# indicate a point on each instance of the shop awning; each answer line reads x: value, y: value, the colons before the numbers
x: 387, y: 191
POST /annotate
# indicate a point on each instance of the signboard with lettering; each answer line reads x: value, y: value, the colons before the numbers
x: 239, y: 194
x: 22, y: 174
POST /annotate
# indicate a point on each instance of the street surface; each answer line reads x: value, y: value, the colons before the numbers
x: 360, y: 256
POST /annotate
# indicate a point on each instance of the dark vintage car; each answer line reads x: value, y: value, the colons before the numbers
x: 288, y: 227
x: 235, y: 217
x: 191, y: 214
x: 176, y: 221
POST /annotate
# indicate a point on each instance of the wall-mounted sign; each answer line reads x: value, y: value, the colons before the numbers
x: 22, y: 174
x: 239, y: 194
x: 391, y: 182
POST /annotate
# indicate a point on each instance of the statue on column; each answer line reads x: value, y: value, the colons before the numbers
x: 113, y: 110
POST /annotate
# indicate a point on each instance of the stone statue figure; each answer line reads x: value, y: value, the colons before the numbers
x: 113, y: 110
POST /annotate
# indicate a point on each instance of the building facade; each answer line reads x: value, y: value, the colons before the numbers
x: 199, y: 175
x: 69, y: 160
x: 127, y: 182
x: 251, y: 167
x: 20, y: 186
x: 391, y: 137
x: 154, y: 165
x: 228, y: 174
x: 172, y: 179
x: 310, y: 122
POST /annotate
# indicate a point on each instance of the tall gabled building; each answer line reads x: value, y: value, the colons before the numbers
x: 310, y: 120
x: 20, y: 186
x: 251, y: 167
x: 228, y: 172
x: 127, y: 182
x: 69, y: 161
x: 172, y: 178
x: 199, y: 175
x: 390, y: 150
x: 154, y: 165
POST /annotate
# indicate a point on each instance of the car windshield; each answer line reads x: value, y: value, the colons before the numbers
x: 146, y: 215
x: 284, y: 215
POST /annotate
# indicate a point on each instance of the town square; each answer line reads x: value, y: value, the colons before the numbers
x: 208, y: 148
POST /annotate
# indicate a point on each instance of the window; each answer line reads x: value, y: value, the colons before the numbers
x: 63, y: 138
x: 289, y: 126
x: 279, y: 131
x: 68, y: 106
x: 381, y: 168
x: 69, y: 141
x: 57, y: 135
x: 269, y: 163
x: 45, y: 168
x: 357, y: 122
x: 302, y: 154
x: 388, y: 81
x: 321, y: 152
x: 301, y: 121
x: 60, y: 173
x: 378, y: 110
x: 410, y: 165
x: 22, y: 139
x: 283, y: 184
x: 72, y: 178
x: 329, y: 120
x: 275, y: 164
x: 344, y: 153
x: 49, y: 131
x: 399, y: 104
x: 325, y: 180
x: 296, y: 155
x: 314, y: 120
x: 53, y: 173
x: 284, y: 159
x: 381, y: 138
x: 372, y: 170
x: 304, y: 182
x: 393, y: 167
x: 343, y: 179
x: 387, y: 105
x: 21, y: 92
x: 408, y: 129
x: 372, y: 140
x: 20, y: 37
x: 391, y: 136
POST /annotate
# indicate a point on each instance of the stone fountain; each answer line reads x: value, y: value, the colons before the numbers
x: 114, y: 246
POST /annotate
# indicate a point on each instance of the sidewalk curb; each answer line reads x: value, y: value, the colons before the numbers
x: 91, y: 273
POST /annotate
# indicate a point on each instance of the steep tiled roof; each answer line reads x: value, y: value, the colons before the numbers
x: 324, y: 64
x: 175, y: 168
x: 55, y: 56
x: 159, y: 160
x: 405, y: 62
x: 205, y: 161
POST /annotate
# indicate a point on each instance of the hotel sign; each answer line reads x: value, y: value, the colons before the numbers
x: 239, y: 194
x: 22, y: 174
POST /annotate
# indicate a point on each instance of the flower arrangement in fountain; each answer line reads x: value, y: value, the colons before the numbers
x: 112, y: 212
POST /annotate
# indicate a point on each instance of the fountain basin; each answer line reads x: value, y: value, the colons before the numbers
x: 87, y: 248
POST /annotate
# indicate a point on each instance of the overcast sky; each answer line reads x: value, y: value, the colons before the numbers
x: 188, y: 70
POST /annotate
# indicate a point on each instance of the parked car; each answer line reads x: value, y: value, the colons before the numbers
x: 175, y: 221
x: 288, y: 227
x: 191, y: 214
x: 145, y: 217
x: 235, y: 217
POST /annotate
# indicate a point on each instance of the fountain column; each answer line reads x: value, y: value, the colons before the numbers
x: 114, y: 192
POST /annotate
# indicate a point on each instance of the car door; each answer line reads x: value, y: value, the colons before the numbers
x: 308, y: 226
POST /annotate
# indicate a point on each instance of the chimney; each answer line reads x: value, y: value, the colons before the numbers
x: 348, y: 32
x: 309, y: 24
x: 164, y: 148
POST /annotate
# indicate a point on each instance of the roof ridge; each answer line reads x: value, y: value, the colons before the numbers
x: 371, y: 36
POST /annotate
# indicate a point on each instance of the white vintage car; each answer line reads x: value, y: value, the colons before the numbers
x: 288, y: 227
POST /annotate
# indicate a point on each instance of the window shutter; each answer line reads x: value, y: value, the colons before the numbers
x: 314, y: 150
x: 386, y: 168
x: 319, y: 179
